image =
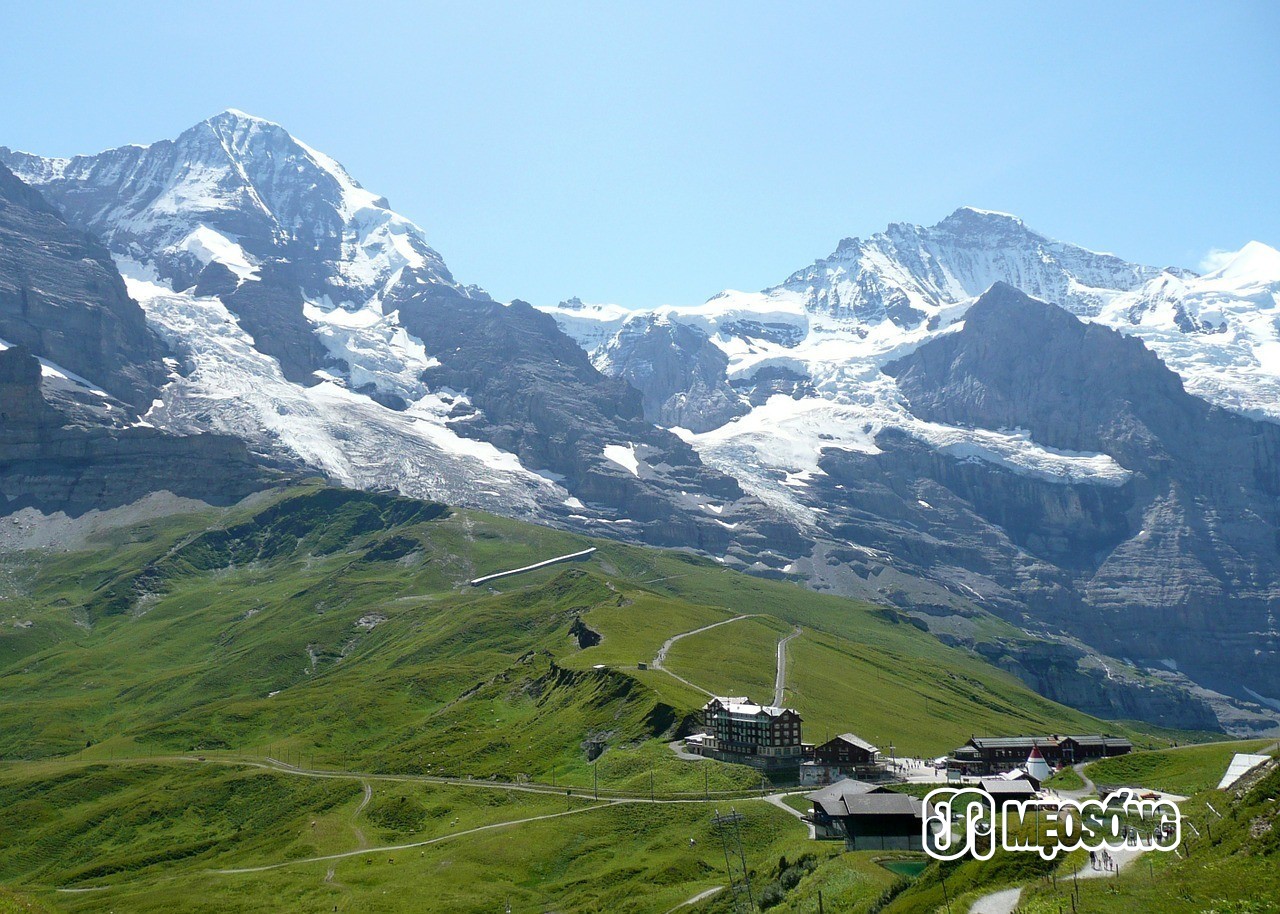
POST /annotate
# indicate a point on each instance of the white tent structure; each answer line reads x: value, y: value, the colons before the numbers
x: 1241, y: 765
x: 1037, y: 768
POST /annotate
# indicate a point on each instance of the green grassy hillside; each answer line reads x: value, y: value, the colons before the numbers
x: 14, y: 903
x: 338, y: 627
x: 337, y: 631
x: 1184, y: 770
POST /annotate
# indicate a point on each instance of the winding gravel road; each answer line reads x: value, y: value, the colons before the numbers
x: 661, y: 657
x: 412, y: 844
x: 780, y: 681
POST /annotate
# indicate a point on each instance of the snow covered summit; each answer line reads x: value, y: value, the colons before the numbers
x: 239, y: 191
x: 318, y: 324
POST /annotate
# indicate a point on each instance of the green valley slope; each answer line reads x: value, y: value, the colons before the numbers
x: 336, y: 631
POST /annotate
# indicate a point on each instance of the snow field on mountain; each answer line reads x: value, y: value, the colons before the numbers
x: 232, y: 387
x: 376, y: 348
x: 209, y: 245
x: 1233, y: 357
x: 624, y: 456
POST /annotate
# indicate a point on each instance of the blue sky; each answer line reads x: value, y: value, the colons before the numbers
x: 650, y: 153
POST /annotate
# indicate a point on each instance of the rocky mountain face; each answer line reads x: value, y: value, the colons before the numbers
x: 533, y: 393
x: 878, y: 424
x: 680, y: 373
x: 61, y: 296
x: 58, y: 453
x: 78, y: 364
x: 1180, y: 564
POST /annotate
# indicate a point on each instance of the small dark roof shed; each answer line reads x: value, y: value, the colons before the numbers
x: 883, y: 804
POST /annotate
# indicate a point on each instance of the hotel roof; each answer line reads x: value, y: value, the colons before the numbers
x: 745, y: 707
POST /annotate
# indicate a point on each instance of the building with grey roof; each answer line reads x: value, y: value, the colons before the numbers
x: 737, y: 729
x: 983, y: 755
x: 867, y: 817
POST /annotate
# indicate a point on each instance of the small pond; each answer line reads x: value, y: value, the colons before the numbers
x: 908, y: 868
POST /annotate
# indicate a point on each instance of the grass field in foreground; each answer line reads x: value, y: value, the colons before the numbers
x: 15, y: 903
x: 100, y: 824
x: 151, y: 837
x: 850, y: 883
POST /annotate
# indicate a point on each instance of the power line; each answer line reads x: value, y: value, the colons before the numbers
x: 735, y: 860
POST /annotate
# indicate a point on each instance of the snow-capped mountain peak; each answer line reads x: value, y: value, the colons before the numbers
x: 822, y: 337
x: 963, y: 211
x: 907, y: 273
x: 252, y: 189
x: 235, y: 114
x: 266, y: 265
x: 1255, y: 262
